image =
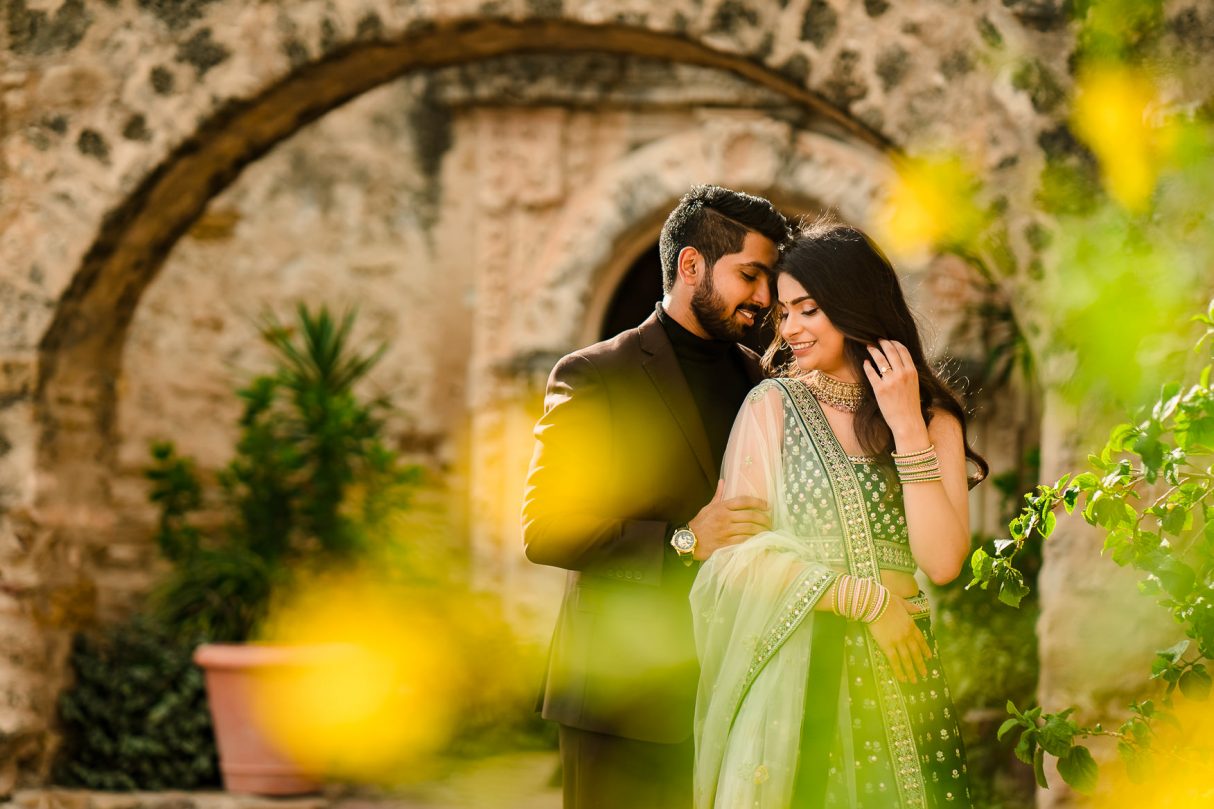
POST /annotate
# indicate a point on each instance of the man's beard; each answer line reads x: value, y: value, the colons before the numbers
x: 716, y: 318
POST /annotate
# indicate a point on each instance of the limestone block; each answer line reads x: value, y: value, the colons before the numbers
x: 70, y: 88
x: 18, y: 446
x: 745, y: 150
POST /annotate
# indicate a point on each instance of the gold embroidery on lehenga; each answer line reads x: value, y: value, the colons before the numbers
x: 808, y: 593
x: 863, y: 561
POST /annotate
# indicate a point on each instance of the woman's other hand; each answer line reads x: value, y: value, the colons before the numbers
x: 901, y: 641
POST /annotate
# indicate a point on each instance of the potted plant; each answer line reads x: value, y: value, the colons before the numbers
x: 309, y: 488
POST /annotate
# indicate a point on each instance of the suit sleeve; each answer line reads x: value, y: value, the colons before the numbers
x: 570, y: 517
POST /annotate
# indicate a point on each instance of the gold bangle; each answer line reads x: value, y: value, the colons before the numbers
x: 875, y: 604
x: 884, y: 607
x: 932, y: 470
x: 932, y: 461
x: 916, y: 454
x: 841, y: 585
x: 920, y: 462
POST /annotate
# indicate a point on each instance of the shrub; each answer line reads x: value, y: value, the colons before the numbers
x: 136, y: 716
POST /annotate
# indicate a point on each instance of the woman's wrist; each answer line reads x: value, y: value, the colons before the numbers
x: 912, y: 437
x: 860, y: 599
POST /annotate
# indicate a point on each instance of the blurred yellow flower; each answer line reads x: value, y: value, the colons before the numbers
x: 930, y: 205
x: 1111, y: 116
x: 380, y: 689
x: 1181, y: 781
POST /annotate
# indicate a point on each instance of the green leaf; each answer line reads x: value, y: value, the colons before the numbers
x: 1176, y: 520
x: 1150, y: 586
x: 1057, y: 734
x: 1086, y: 482
x: 1039, y: 768
x: 1151, y: 450
x: 1120, y: 435
x: 1047, y: 527
x: 1012, y: 588
x: 1175, y: 576
x: 1027, y: 746
x: 982, y: 564
x: 1195, y: 683
x: 1016, y: 527
x: 1007, y: 726
x: 1098, y: 510
x: 1078, y: 769
x: 1119, y: 543
x: 1174, y: 652
x: 1169, y: 398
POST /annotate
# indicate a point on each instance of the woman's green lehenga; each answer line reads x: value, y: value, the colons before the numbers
x: 797, y: 707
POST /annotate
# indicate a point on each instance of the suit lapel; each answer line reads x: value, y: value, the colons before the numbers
x: 663, y: 368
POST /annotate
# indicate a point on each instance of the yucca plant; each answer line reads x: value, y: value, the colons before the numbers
x: 307, y: 443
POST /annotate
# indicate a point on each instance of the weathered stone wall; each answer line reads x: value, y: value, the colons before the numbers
x: 479, y: 215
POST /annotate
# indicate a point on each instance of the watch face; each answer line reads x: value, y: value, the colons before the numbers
x: 683, y: 541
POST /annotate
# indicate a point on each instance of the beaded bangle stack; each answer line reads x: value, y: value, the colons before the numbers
x: 859, y: 599
x: 918, y: 467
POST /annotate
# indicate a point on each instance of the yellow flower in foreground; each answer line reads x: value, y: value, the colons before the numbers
x: 379, y: 687
x: 930, y: 205
x: 1111, y: 116
x: 1184, y: 780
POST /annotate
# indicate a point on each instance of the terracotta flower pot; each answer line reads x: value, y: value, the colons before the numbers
x: 248, y: 759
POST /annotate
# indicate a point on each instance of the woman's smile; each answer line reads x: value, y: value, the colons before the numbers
x: 802, y: 347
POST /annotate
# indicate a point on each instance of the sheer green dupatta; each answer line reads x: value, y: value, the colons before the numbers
x: 749, y: 602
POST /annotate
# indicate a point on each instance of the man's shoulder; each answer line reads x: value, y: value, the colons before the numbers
x: 616, y: 353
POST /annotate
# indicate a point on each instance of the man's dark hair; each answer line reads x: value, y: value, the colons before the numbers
x: 715, y: 221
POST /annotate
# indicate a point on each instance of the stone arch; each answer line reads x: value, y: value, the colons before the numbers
x: 80, y: 348
x: 608, y: 225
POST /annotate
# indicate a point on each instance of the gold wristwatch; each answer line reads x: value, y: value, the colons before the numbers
x: 684, y: 543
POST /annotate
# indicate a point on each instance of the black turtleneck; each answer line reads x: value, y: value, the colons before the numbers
x: 716, y: 375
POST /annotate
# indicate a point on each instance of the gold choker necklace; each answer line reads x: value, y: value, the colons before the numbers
x: 836, y: 393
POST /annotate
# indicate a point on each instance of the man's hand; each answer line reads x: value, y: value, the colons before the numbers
x: 727, y: 522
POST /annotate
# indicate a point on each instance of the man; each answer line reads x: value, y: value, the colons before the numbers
x: 627, y: 454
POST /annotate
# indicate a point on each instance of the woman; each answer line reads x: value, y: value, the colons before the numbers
x: 820, y: 684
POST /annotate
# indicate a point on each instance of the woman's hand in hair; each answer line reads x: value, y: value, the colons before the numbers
x: 895, y: 381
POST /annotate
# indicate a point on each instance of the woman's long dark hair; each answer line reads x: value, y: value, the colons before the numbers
x: 855, y: 285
